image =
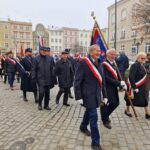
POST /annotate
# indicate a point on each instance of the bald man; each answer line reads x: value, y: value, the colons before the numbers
x: 112, y: 83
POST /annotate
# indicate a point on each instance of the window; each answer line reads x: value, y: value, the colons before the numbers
x: 85, y: 42
x: 60, y: 33
x: 52, y: 40
x: 113, y: 18
x: 60, y: 48
x: 55, y: 32
x: 85, y: 35
x: 81, y: 43
x: 6, y: 45
x: 21, y: 27
x: 15, y: 34
x: 124, y: 14
x: 21, y: 35
x: 147, y: 48
x: 123, y: 34
x: 27, y: 28
x: 134, y: 33
x: 6, y: 36
x: 70, y: 33
x: 52, y: 47
x: 51, y: 32
x: 15, y: 27
x: 122, y: 48
x: 59, y: 40
x: 28, y: 36
x: 113, y: 35
x: 134, y: 49
x: 28, y: 45
x: 56, y: 48
x: 81, y: 35
x: 70, y: 39
x: 56, y: 40
x: 6, y: 27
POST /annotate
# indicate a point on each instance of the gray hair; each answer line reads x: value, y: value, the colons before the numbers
x: 92, y: 47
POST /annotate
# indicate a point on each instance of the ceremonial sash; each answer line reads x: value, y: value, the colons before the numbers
x: 93, y: 70
x: 11, y: 61
x: 138, y: 84
x: 111, y: 70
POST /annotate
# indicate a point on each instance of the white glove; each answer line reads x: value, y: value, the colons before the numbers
x: 125, y: 87
x: 122, y: 83
x: 80, y: 102
x: 136, y: 90
x: 105, y: 101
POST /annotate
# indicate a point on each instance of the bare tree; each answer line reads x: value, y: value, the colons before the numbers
x: 141, y: 17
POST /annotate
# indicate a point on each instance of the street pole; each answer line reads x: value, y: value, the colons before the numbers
x: 115, y: 42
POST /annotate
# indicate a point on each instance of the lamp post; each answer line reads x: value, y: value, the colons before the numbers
x: 115, y: 42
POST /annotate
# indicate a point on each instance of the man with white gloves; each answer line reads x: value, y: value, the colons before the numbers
x: 113, y: 82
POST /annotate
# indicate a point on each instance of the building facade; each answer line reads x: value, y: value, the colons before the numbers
x: 84, y: 41
x: 56, y: 40
x: 14, y: 35
x: 40, y: 30
x: 128, y: 40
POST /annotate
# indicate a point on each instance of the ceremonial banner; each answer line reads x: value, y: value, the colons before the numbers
x: 97, y: 38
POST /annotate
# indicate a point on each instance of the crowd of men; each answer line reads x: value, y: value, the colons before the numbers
x: 96, y: 84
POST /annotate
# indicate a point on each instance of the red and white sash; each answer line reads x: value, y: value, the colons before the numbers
x: 11, y: 61
x: 111, y: 70
x: 138, y: 84
x: 93, y: 70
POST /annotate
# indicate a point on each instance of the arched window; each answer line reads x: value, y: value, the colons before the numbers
x: 123, y: 14
x: 113, y: 18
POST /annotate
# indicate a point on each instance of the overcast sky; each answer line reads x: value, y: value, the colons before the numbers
x: 69, y: 13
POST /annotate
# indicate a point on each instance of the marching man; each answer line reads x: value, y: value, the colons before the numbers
x: 112, y: 84
x: 89, y: 88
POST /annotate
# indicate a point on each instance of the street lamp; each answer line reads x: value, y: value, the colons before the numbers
x: 138, y: 42
x: 115, y: 43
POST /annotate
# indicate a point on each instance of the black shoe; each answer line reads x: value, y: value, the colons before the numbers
x: 66, y: 105
x: 25, y: 99
x: 127, y: 113
x: 57, y: 101
x: 70, y: 96
x: 96, y: 147
x: 147, y: 116
x: 36, y: 101
x: 39, y: 107
x: 47, y: 108
x: 86, y: 132
x: 109, y: 120
x: 107, y: 125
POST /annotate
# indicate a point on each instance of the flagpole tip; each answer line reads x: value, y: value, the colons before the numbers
x: 93, y: 15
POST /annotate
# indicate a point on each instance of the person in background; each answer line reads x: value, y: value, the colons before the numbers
x: 43, y: 75
x: 147, y: 66
x: 10, y: 68
x: 137, y: 86
x: 122, y: 63
x: 25, y: 68
x: 64, y: 72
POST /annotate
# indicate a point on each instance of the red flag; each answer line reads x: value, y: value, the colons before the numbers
x: 21, y: 52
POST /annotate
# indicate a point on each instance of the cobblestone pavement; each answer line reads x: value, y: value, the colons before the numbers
x: 23, y: 127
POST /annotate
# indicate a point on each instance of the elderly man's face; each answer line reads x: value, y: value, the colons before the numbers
x: 111, y: 55
x: 95, y: 53
x: 141, y: 59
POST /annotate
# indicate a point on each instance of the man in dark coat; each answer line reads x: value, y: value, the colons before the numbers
x: 122, y: 63
x: 72, y: 62
x: 112, y: 83
x: 88, y: 87
x: 64, y: 72
x: 25, y: 68
x: 10, y: 68
x: 43, y: 75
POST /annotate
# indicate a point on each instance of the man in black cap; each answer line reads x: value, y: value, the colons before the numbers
x: 72, y: 61
x: 43, y: 75
x: 64, y: 72
x: 25, y: 67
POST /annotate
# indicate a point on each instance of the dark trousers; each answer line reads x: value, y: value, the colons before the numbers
x: 90, y: 116
x: 5, y: 78
x: 106, y: 111
x: 44, y: 92
x: 66, y: 93
x: 25, y: 95
x: 11, y: 78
